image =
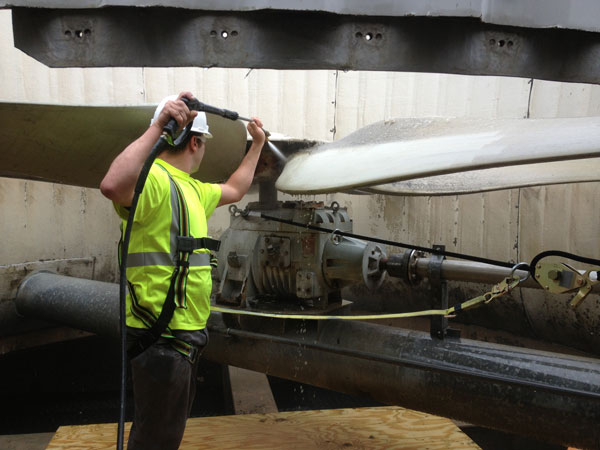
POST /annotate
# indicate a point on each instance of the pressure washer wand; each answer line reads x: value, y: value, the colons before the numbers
x: 196, y: 105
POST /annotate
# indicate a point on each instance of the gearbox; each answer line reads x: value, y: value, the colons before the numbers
x: 268, y: 261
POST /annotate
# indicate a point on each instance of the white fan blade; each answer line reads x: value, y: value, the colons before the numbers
x: 509, y: 177
x: 406, y: 149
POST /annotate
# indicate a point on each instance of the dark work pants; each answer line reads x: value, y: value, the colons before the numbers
x: 164, y: 386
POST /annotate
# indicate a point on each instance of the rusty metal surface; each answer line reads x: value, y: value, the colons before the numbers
x: 112, y: 37
x: 392, y: 366
x: 583, y: 14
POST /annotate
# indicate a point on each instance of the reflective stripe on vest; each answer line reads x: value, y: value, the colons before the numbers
x: 164, y: 259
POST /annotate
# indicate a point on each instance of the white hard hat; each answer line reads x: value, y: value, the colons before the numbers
x: 199, y: 125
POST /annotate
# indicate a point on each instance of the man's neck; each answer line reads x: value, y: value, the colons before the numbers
x: 177, y: 160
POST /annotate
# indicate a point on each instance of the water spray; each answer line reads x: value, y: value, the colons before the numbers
x: 280, y: 156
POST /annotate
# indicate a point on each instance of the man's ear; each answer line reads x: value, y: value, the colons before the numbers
x: 193, y: 143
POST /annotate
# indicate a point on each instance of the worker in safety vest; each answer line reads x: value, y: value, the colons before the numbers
x: 172, y: 208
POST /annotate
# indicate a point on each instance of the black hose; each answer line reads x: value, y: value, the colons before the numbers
x: 160, y: 145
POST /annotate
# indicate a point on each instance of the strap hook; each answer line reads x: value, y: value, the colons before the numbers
x: 516, y: 266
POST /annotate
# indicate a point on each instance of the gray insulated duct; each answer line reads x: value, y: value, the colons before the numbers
x: 552, y: 397
x: 84, y: 304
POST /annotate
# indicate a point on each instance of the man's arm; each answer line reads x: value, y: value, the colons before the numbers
x: 119, y: 182
x: 239, y: 182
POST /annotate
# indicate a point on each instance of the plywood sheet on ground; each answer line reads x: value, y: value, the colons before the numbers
x: 365, y: 428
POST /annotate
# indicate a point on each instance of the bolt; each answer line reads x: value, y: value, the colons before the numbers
x: 547, y: 287
x: 537, y: 275
x: 539, y: 266
x: 579, y: 282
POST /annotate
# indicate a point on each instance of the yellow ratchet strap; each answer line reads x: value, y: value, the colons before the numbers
x: 500, y: 289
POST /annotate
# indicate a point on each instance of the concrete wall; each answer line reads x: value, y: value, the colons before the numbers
x: 41, y: 221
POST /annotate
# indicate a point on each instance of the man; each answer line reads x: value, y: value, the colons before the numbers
x: 172, y: 205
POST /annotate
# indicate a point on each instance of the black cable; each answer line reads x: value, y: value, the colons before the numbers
x: 392, y: 243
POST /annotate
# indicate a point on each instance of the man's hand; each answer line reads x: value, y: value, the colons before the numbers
x: 177, y: 110
x: 256, y: 131
x: 239, y: 182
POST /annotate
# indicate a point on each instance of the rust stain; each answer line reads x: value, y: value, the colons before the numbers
x: 308, y: 245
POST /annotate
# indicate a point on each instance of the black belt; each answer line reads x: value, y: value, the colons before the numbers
x: 189, y: 244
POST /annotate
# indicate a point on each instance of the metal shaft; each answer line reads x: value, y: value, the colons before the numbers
x: 473, y: 272
x: 412, y: 268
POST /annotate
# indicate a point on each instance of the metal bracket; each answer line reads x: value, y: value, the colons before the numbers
x: 439, y: 291
x: 560, y: 278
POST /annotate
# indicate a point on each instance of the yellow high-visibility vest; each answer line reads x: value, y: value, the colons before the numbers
x: 152, y: 247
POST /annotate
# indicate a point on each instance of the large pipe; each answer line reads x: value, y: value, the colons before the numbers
x: 553, y: 397
x: 84, y: 304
